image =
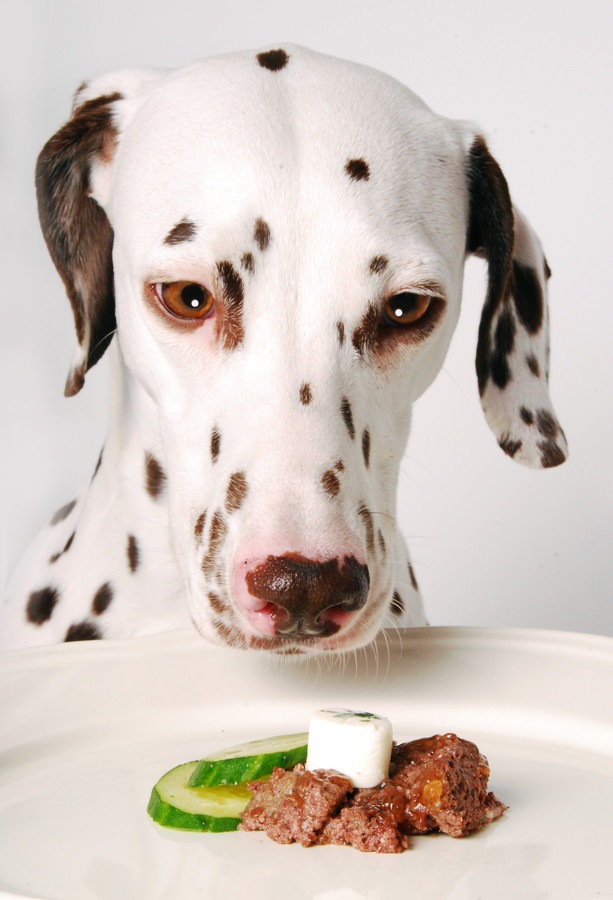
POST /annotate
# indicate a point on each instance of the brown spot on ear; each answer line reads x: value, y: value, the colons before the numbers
x: 261, y: 234
x: 248, y: 262
x: 546, y: 423
x: 366, y: 446
x: 306, y: 395
x: 340, y: 330
x: 237, y: 491
x: 533, y: 364
x: 155, y: 479
x: 397, y: 605
x: 199, y: 526
x: 230, y: 321
x: 509, y: 446
x: 273, y: 60
x: 41, y: 604
x: 528, y: 297
x: 182, y: 231
x: 77, y: 231
x: 357, y: 169
x: 378, y: 264
x: 339, y: 465
x: 83, y: 631
x: 63, y: 513
x: 102, y: 599
x: 330, y: 483
x: 526, y: 416
x: 133, y: 553
x: 215, y: 444
x: 66, y: 548
x: 347, y: 415
x: 382, y: 546
x: 551, y: 454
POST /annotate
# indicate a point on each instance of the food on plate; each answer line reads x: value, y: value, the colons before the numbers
x: 349, y: 784
x: 250, y: 761
x: 358, y: 744
x: 435, y: 784
x: 175, y: 804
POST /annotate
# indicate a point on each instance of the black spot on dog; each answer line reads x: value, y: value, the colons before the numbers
x: 63, y: 513
x: 41, y: 604
x: 306, y: 394
x: 65, y: 549
x: 533, y: 364
x: 155, y: 479
x: 273, y: 60
x: 215, y: 444
x: 102, y: 599
x: 378, y: 264
x: 237, y: 491
x: 504, y: 340
x: 382, y: 546
x: 526, y: 416
x: 248, y: 262
x: 528, y: 297
x: 83, y: 631
x: 133, y: 553
x: 339, y: 465
x: 366, y: 446
x: 397, y: 605
x: 98, y: 464
x: 357, y: 169
x: 340, y: 330
x: 412, y: 578
x: 347, y: 415
x: 218, y: 605
x: 216, y: 539
x: 364, y: 337
x: 509, y: 446
x: 182, y: 231
x: 261, y: 234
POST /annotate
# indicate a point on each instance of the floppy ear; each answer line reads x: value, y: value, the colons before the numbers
x: 513, y: 346
x: 77, y: 232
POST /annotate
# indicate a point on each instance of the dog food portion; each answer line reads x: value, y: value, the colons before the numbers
x: 358, y: 744
x: 435, y: 784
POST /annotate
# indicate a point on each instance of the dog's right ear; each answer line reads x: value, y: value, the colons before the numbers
x: 76, y: 229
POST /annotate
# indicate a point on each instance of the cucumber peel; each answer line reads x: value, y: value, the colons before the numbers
x: 251, y: 761
x: 175, y: 804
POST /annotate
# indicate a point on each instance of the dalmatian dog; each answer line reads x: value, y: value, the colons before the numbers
x: 270, y: 248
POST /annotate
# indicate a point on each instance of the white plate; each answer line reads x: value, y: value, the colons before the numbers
x: 88, y: 728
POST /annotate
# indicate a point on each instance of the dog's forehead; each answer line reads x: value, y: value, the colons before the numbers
x: 227, y: 140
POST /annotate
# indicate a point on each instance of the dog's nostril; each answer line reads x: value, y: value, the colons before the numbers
x: 307, y: 597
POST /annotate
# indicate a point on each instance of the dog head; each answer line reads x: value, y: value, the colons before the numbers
x: 279, y: 240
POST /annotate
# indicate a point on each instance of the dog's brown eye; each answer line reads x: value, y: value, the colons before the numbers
x: 406, y: 308
x: 186, y: 299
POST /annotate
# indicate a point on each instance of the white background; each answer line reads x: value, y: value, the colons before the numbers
x: 493, y: 543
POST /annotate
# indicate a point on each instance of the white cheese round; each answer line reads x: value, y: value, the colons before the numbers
x: 357, y: 744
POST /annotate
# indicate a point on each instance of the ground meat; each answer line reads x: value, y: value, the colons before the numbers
x: 435, y: 784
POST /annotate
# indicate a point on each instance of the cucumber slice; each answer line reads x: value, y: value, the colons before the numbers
x: 251, y: 761
x: 176, y: 805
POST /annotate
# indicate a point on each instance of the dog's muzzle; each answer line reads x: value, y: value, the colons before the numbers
x: 292, y: 595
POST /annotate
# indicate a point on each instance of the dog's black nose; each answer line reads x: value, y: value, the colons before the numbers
x: 306, y: 597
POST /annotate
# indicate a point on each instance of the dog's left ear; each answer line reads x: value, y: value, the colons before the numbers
x: 77, y: 231
x: 513, y: 346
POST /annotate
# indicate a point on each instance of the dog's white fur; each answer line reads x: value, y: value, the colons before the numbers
x: 225, y: 144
